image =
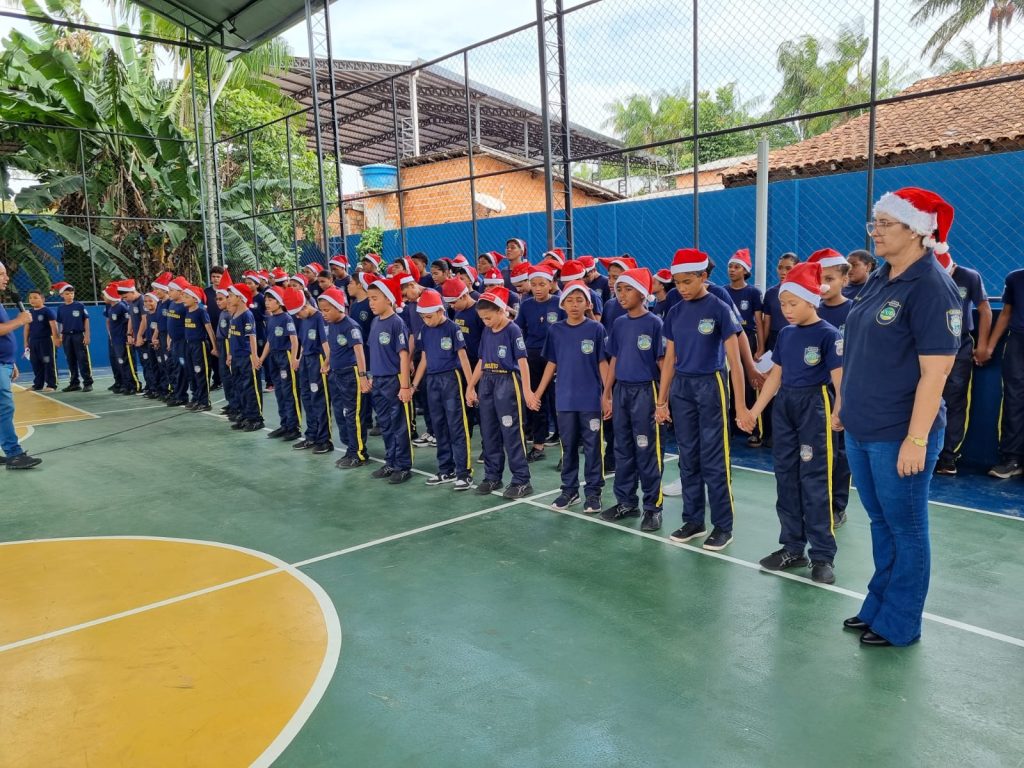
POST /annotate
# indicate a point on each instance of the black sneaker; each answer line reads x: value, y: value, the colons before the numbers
x: 321, y: 448
x: 718, y: 540
x: 440, y: 479
x: 349, y: 462
x: 22, y: 461
x: 252, y: 426
x: 534, y: 455
x: 399, y: 476
x: 302, y: 445
x: 488, y: 486
x: 754, y: 441
x: 688, y: 532
x: 375, y: 432
x: 609, y: 467
x: 839, y: 521
x: 651, y: 521
x: 422, y: 441
x: 946, y: 467
x: 191, y: 406
x: 382, y: 472
x: 226, y: 409
x: 276, y: 432
x: 239, y: 423
x: 113, y: 388
x: 515, y: 491
x: 290, y: 434
x: 552, y: 439
x: 71, y: 388
x: 565, y: 500
x: 783, y: 559
x: 463, y: 484
x: 1006, y: 470
x: 619, y: 512
x: 592, y: 506
x: 86, y: 388
x: 822, y: 573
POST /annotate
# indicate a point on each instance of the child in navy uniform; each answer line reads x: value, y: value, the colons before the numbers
x: 501, y: 384
x: 314, y: 365
x: 348, y: 380
x: 636, y: 347
x: 199, y: 344
x: 41, y: 344
x: 1011, y: 425
x: 747, y: 299
x: 160, y: 286
x: 862, y: 264
x: 73, y: 338
x: 575, y: 348
x: 177, y: 360
x: 808, y: 356
x: 772, y: 321
x: 443, y: 372
x: 221, y: 334
x: 701, y: 334
x: 136, y: 320
x: 117, y: 331
x: 957, y: 391
x: 392, y: 379
x: 283, y: 346
x: 151, y: 369
x: 242, y: 361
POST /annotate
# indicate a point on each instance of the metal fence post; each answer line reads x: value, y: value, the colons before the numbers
x: 88, y: 217
x: 469, y: 149
x: 398, y: 164
x: 545, y: 132
x: 316, y: 128
x: 200, y: 152
x: 869, y: 205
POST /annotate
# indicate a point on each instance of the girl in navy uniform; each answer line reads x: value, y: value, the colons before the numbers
x: 160, y: 335
x: 136, y: 318
x: 73, y: 338
x: 772, y: 321
x: 283, y: 345
x: 748, y: 302
x: 957, y: 392
x: 348, y: 381
x: 242, y: 361
x: 636, y: 347
x: 664, y: 292
x: 834, y: 309
x: 515, y: 256
x: 493, y: 278
x: 392, y: 378
x: 595, y: 279
x: 1011, y: 425
x: 314, y: 366
x: 902, y: 336
x: 177, y: 359
x: 862, y: 264
x: 198, y: 347
x: 808, y: 355
x: 150, y: 366
x: 41, y: 344
x: 221, y: 335
x: 501, y: 385
x: 701, y: 333
x: 572, y: 271
x: 443, y: 372
x: 536, y: 314
x: 575, y: 348
x: 117, y: 330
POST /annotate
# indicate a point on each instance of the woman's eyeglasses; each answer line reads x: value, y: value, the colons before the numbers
x: 881, y: 226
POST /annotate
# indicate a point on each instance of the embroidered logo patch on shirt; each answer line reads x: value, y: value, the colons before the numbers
x: 279, y: 331
x: 384, y: 338
x: 342, y: 341
x: 888, y: 312
x: 706, y: 326
x: 812, y: 355
x: 954, y: 321
x: 446, y: 343
x: 587, y: 346
x: 502, y: 351
x: 643, y: 342
x: 552, y: 317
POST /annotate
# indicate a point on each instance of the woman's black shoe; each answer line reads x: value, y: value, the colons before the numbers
x: 854, y: 622
x: 870, y: 638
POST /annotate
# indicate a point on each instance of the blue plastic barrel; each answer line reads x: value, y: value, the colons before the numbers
x: 379, y: 176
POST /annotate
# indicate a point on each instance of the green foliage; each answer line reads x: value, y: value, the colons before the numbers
x: 960, y: 15
x: 371, y: 241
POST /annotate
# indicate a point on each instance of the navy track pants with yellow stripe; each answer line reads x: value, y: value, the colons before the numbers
x: 313, y: 390
x: 446, y: 404
x: 575, y: 429
x: 351, y: 410
x: 197, y: 355
x: 286, y: 389
x: 638, y: 448
x: 501, y: 426
x: 395, y: 424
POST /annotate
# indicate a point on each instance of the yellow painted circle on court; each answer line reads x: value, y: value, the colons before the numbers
x: 156, y: 652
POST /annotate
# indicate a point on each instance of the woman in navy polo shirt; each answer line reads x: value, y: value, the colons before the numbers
x: 901, y: 338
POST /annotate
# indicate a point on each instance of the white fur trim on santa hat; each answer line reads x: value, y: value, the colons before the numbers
x: 566, y: 290
x: 383, y: 287
x: 634, y: 284
x: 833, y: 261
x: 698, y: 266
x: 800, y: 292
x: 542, y: 273
x: 901, y: 209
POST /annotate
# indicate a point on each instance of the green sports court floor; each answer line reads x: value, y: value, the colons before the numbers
x: 181, y: 594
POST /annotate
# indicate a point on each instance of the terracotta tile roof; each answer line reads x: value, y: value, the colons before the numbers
x: 966, y: 122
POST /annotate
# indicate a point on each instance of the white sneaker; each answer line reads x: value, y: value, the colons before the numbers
x: 673, y: 489
x: 440, y: 479
x: 462, y: 485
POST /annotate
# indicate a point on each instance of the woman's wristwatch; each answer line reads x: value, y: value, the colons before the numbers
x: 920, y: 442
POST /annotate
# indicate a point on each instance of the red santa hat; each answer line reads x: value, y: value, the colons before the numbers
x: 315, y: 268
x: 453, y: 289
x: 946, y: 262
x: 411, y: 268
x: 663, y: 276
x: 493, y: 256
x: 638, y: 279
x: 195, y: 292
x: 471, y: 271
x: 335, y: 297
x: 110, y: 292
x: 555, y: 254
x: 263, y: 276
x: 294, y: 300
x: 520, y: 273
x: 60, y: 287
x: 251, y: 274
x: 459, y: 261
x: 494, y: 277
x: 828, y: 257
x: 337, y: 260
x: 542, y: 271
x: 622, y: 262
x: 588, y: 262
x: 366, y: 279
x: 152, y: 296
x: 279, y: 276
x: 576, y: 286
x: 498, y: 296
x: 300, y: 279
x: 224, y: 286
x: 572, y: 270
x: 374, y: 259
x: 243, y: 291
x: 276, y: 293
x: 429, y: 302
x: 180, y: 283
x: 126, y: 286
x: 522, y: 244
x: 391, y: 287
x: 742, y: 257
x: 689, y: 260
x: 404, y: 278
x: 923, y: 211
x: 804, y: 281
x: 162, y: 281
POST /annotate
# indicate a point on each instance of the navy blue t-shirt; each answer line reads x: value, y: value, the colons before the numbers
x: 259, y: 316
x: 771, y: 307
x: 360, y: 312
x: 117, y: 314
x: 175, y: 316
x: 151, y: 328
x: 7, y: 343
x: 472, y: 328
x: 972, y: 293
x: 161, y: 316
x: 195, y: 324
x: 39, y: 328
x: 441, y: 345
x: 836, y: 316
x: 343, y: 337
x: 747, y: 301
x: 534, y: 319
x: 71, y: 317
x: 808, y: 354
x: 577, y: 350
x: 312, y: 335
x: 1013, y: 295
x: 502, y: 350
x: 388, y: 337
x: 600, y: 284
x: 222, y: 324
x: 638, y: 344
x: 612, y: 311
x: 137, y: 309
x: 661, y: 308
x: 240, y: 329
x: 891, y: 323
x: 699, y: 329
x: 280, y: 328
x: 850, y: 290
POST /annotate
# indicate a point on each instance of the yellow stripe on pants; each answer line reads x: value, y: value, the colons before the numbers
x: 829, y: 456
x: 725, y: 438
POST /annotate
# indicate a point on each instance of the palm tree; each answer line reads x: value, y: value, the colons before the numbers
x: 961, y: 14
x: 968, y: 59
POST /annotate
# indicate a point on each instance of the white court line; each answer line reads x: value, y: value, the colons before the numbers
x: 992, y: 635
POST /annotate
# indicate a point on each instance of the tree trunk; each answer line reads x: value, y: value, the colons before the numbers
x: 999, y: 40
